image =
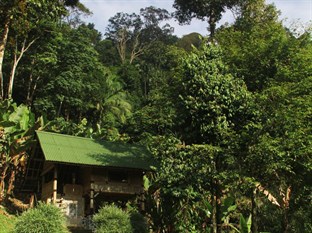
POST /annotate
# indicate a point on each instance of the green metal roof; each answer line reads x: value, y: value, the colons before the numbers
x: 85, y: 151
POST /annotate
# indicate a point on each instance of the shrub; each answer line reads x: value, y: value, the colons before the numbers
x: 44, y: 218
x: 6, y: 221
x: 111, y: 219
x: 138, y: 222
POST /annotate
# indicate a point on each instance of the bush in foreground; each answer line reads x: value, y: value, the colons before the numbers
x: 44, y: 218
x: 111, y: 219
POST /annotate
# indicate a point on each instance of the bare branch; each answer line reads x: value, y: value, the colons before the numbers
x: 270, y: 197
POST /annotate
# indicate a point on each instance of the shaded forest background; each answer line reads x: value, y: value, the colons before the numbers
x: 228, y: 117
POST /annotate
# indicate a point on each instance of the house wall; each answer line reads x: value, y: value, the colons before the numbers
x: 69, y: 197
x: 47, y: 191
x: 74, y: 198
x: 133, y: 185
x: 100, y: 177
x: 72, y: 204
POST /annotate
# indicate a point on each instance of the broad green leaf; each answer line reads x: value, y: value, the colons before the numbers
x: 243, y: 224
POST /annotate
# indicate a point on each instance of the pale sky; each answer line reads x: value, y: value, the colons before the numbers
x: 292, y: 10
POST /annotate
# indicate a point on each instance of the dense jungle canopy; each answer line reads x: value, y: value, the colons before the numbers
x: 229, y: 117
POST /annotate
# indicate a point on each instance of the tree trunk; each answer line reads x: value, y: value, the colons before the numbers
x: 212, y: 24
x: 2, y: 180
x: 285, y: 222
x: 218, y: 192
x: 286, y: 200
x: 11, y: 183
x: 32, y: 86
x: 122, y: 45
x: 17, y: 59
x: 254, y: 224
x: 214, y: 217
x: 218, y: 207
x: 137, y: 49
x: 30, y: 90
x: 3, y: 41
x: 214, y: 212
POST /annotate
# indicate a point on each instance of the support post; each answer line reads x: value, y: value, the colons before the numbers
x: 92, y: 195
x: 31, y: 200
x: 54, y: 185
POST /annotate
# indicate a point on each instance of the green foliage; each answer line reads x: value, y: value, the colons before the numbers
x: 114, y: 106
x: 111, y: 219
x: 214, y: 108
x: 203, y: 9
x: 244, y: 224
x: 182, y: 184
x: 156, y: 118
x: 44, y: 218
x: 133, y: 33
x: 77, y: 84
x: 214, y: 102
x: 256, y: 45
x: 17, y: 126
x: 229, y: 139
x: 189, y: 41
x: 60, y: 125
x: 138, y: 222
x: 283, y: 146
x: 6, y: 222
x: 77, y: 76
x: 22, y: 19
x: 85, y: 129
x: 108, y: 52
x: 275, y: 63
x: 15, y: 119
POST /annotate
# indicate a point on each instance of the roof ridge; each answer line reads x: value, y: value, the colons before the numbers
x: 64, y: 135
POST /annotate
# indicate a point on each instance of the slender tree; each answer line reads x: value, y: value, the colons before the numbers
x: 21, y: 17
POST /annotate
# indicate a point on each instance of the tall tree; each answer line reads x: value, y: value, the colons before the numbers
x: 132, y: 33
x: 77, y: 85
x: 215, y: 109
x: 24, y: 16
x: 210, y: 10
x: 282, y: 145
x: 76, y: 73
x: 213, y: 100
x: 124, y: 30
x: 30, y: 77
x: 256, y: 45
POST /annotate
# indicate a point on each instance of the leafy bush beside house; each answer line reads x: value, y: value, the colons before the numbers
x: 45, y: 218
x: 111, y: 219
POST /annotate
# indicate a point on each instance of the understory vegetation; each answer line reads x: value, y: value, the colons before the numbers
x: 44, y: 218
x: 227, y: 116
x: 6, y: 221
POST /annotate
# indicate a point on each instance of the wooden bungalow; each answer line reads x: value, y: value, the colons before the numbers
x: 79, y: 174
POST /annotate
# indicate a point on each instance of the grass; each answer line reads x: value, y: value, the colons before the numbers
x: 6, y: 221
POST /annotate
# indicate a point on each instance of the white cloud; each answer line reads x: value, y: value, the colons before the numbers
x: 104, y: 9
